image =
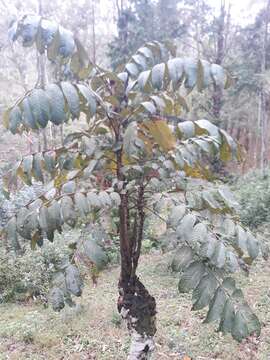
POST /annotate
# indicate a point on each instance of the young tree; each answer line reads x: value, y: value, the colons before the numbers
x: 134, y: 153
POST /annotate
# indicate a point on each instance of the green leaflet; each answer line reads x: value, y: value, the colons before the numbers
x: 146, y: 52
x: 144, y: 81
x: 54, y: 214
x: 72, y: 98
x: 176, y: 70
x: 88, y: 100
x: 82, y: 204
x: 46, y: 222
x: 191, y: 277
x: 67, y: 44
x: 198, y: 234
x: 182, y: 257
x: 28, y: 118
x: 204, y: 292
x: 140, y: 60
x: 229, y: 227
x: 207, y: 249
x: 229, y: 148
x: 80, y: 63
x: 227, y: 317
x: 157, y: 75
x: 216, y: 306
x: 159, y: 102
x: 23, y: 223
x: 68, y: 211
x: 40, y: 107
x: 57, y: 299
x: 132, y: 69
x: 185, y: 227
x: 176, y: 215
x: 94, y: 252
x: 149, y: 107
x: 190, y: 69
x: 73, y: 280
x: 37, y: 167
x: 14, y: 119
x: 186, y: 129
x: 93, y: 200
x: 219, y: 256
x: 219, y: 75
x: 53, y: 46
x: 69, y: 187
x: 231, y: 264
x: 210, y: 201
x: 252, y: 246
x: 205, y: 126
x: 57, y: 104
x: 245, y: 323
x: 50, y: 161
x: 105, y: 199
x: 241, y: 240
x: 27, y: 164
x: 129, y: 140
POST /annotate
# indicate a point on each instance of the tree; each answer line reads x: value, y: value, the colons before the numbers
x: 135, y: 25
x: 135, y: 155
x: 251, y: 65
x: 141, y: 21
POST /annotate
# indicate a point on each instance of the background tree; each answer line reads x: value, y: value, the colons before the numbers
x: 130, y: 146
x: 139, y: 21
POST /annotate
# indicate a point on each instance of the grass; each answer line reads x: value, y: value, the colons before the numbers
x: 93, y: 329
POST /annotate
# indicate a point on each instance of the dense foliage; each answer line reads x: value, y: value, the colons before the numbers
x: 253, y: 194
x: 27, y: 277
x: 144, y: 21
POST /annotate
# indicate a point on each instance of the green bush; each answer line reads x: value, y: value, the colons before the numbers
x: 28, y: 275
x: 253, y: 194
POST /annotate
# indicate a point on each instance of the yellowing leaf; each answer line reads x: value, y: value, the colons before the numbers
x: 148, y: 142
x: 59, y: 180
x: 161, y: 133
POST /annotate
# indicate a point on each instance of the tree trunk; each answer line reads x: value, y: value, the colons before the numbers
x: 138, y: 308
x: 93, y: 33
x: 218, y: 94
x: 262, y: 102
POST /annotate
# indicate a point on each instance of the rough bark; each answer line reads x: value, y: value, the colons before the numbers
x: 136, y: 306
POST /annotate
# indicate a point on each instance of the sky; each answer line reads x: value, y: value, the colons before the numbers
x: 241, y: 10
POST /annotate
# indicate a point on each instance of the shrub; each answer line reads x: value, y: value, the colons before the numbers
x: 253, y: 194
x: 28, y: 276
